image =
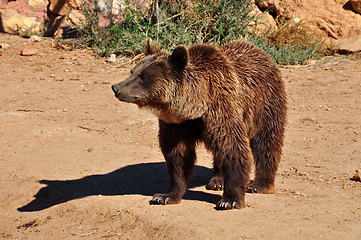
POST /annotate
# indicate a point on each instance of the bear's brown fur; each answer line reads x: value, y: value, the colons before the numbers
x: 231, y: 98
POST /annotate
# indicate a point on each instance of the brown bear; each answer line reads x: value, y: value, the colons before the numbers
x: 230, y: 98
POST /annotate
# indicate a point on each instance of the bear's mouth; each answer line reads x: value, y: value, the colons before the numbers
x: 126, y: 98
x: 126, y: 95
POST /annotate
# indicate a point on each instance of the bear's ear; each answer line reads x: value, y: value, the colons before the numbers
x: 150, y: 48
x: 179, y: 58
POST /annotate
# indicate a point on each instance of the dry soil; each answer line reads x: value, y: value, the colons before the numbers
x: 76, y: 163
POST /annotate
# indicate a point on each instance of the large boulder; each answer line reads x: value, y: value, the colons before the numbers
x: 330, y: 19
x: 14, y: 22
x: 22, y: 15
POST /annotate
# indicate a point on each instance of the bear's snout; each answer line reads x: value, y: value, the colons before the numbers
x: 115, y: 89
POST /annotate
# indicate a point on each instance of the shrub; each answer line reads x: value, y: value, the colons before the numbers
x: 289, y: 54
x: 172, y: 23
x: 209, y: 21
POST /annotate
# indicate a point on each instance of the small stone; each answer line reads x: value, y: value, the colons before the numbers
x: 29, y: 51
x: 112, y: 59
x: 357, y: 176
x: 34, y: 38
x: 311, y: 62
x: 4, y: 46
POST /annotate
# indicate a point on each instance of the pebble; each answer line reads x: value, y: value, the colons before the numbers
x: 4, y: 46
x: 357, y: 176
x: 112, y: 59
x: 310, y: 62
x: 34, y: 38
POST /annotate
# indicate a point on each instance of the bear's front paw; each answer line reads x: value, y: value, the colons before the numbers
x: 229, y: 204
x: 164, y: 199
x: 216, y: 183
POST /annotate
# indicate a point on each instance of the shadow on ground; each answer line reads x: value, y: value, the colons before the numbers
x: 143, y: 179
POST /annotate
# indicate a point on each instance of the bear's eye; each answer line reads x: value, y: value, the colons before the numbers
x: 131, y: 71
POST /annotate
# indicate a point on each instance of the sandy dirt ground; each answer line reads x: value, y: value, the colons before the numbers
x: 76, y: 163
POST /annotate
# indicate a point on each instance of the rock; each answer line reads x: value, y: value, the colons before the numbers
x: 12, y: 22
x: 29, y: 51
x: 350, y: 45
x: 310, y: 62
x: 356, y: 5
x: 59, y: 7
x: 112, y: 59
x: 34, y: 38
x: 270, y: 4
x: 331, y: 16
x: 266, y: 25
x: 75, y: 16
x: 326, y: 21
x: 37, y: 5
x: 4, y: 46
x: 357, y: 176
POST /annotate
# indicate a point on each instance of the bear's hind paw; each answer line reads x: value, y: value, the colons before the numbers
x: 163, y: 199
x: 216, y: 183
x: 255, y: 188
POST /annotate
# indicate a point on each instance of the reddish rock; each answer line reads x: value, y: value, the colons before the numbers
x: 29, y: 51
x: 330, y: 17
x: 34, y: 38
x: 350, y: 45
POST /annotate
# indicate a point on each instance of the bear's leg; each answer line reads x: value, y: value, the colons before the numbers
x: 216, y: 182
x: 236, y: 176
x: 267, y: 150
x: 234, y: 156
x: 177, y: 142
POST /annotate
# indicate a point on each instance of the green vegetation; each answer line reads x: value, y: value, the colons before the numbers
x: 210, y: 21
x: 289, y: 54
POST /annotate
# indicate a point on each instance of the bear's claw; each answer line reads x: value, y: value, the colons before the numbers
x: 164, y: 199
x: 227, y: 205
x: 159, y: 200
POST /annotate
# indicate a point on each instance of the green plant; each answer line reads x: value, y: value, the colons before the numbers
x: 213, y: 22
x: 289, y: 54
x: 209, y: 21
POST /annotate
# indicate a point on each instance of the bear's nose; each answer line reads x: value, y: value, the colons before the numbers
x: 115, y: 89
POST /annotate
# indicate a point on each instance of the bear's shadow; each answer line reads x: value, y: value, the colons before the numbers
x: 142, y: 179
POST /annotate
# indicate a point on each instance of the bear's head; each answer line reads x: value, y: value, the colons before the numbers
x: 155, y: 80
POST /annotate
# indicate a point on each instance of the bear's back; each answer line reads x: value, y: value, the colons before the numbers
x: 250, y: 62
x: 205, y: 56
